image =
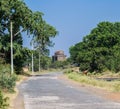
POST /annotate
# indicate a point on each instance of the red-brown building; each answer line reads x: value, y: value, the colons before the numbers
x: 59, y: 56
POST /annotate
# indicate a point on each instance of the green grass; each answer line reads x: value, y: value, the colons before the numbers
x: 112, y: 86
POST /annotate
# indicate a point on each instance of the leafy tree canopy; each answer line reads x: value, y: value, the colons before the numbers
x: 25, y: 19
x: 100, y: 49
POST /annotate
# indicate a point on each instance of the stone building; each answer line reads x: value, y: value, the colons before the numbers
x: 59, y: 56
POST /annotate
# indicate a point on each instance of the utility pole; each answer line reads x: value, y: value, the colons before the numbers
x: 11, y: 47
x: 11, y: 41
x: 32, y: 59
x: 39, y: 61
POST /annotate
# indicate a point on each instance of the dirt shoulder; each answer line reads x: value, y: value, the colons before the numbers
x: 18, y: 102
x: 15, y: 99
x: 106, y: 94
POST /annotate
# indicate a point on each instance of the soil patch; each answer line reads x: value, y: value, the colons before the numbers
x: 16, y: 100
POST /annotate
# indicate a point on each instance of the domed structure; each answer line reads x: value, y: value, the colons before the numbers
x: 59, y: 56
x: 60, y: 52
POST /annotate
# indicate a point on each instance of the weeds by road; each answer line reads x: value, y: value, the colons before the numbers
x: 91, y: 80
x: 12, y: 96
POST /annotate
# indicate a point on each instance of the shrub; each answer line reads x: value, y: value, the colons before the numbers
x: 84, y: 66
x: 7, y: 81
x: 67, y: 71
x: 3, y: 101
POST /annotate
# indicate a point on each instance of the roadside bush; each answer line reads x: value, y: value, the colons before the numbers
x: 3, y: 101
x: 7, y: 81
x: 84, y: 66
x: 67, y: 71
x: 60, y: 64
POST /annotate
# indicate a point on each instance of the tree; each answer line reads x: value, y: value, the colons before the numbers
x: 99, y: 50
x: 18, y: 13
x: 43, y: 34
x: 45, y: 61
x: 42, y: 39
x: 22, y: 18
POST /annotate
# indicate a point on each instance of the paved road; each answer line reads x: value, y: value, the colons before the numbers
x: 47, y: 91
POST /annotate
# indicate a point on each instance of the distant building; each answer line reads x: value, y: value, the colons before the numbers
x: 59, y: 56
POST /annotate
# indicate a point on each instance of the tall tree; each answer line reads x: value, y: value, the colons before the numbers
x: 22, y: 18
x: 42, y: 39
x: 99, y: 49
x: 18, y: 13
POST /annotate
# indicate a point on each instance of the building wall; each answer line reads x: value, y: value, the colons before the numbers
x: 59, y: 56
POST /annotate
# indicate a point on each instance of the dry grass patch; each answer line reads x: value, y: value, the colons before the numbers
x: 111, y: 86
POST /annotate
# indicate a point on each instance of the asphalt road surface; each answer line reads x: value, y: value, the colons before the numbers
x: 47, y: 91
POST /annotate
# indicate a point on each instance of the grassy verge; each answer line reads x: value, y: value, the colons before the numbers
x: 90, y: 80
x: 13, y: 95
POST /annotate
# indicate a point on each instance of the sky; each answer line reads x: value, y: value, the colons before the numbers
x: 74, y: 19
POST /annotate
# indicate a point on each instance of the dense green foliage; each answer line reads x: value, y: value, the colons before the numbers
x: 7, y: 81
x: 100, y: 50
x: 18, y: 13
x: 22, y: 18
x: 60, y: 64
x: 3, y: 101
x: 41, y: 59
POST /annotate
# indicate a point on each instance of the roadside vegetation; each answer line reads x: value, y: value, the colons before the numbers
x: 3, y: 101
x: 7, y: 84
x: 96, y: 80
x: 98, y: 51
x: 97, y: 56
x: 15, y: 15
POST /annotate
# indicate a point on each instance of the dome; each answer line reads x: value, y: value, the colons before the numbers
x: 60, y: 52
